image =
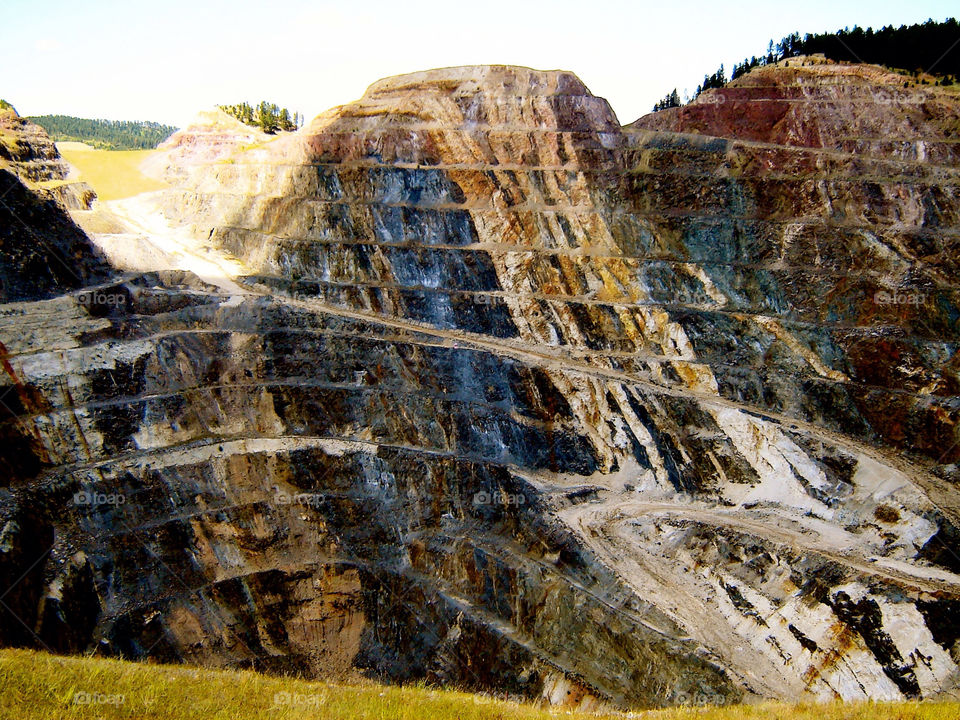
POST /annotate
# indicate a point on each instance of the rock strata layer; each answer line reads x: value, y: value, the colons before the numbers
x: 491, y: 391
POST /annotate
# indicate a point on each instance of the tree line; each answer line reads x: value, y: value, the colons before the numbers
x: 267, y: 116
x: 105, y: 134
x: 921, y: 48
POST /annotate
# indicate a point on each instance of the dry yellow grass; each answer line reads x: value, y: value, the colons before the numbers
x: 113, y: 174
x: 35, y: 686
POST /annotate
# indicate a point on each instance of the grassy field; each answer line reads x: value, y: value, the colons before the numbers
x: 113, y: 174
x: 35, y: 686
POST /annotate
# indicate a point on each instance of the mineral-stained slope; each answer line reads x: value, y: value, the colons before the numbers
x: 42, y: 251
x: 495, y: 392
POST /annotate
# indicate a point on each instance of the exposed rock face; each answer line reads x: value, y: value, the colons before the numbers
x: 27, y: 152
x: 42, y: 251
x: 810, y: 102
x: 505, y: 395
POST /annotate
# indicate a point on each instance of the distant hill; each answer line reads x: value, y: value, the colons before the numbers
x: 105, y: 134
x: 918, y: 49
x: 921, y: 48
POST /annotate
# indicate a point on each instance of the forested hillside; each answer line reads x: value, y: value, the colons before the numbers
x: 105, y: 134
x: 269, y: 117
x: 918, y: 49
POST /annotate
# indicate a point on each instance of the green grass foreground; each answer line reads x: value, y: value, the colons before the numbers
x: 37, y: 685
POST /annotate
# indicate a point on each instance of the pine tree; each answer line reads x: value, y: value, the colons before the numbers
x: 672, y: 100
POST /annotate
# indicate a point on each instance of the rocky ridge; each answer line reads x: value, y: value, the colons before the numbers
x: 41, y: 248
x: 478, y: 386
x: 211, y: 136
x: 28, y: 153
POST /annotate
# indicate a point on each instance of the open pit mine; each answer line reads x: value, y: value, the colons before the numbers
x: 467, y: 382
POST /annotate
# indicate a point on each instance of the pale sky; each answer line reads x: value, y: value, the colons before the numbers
x: 164, y: 61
